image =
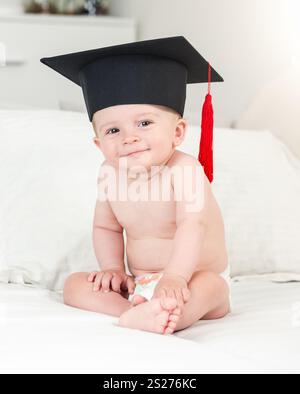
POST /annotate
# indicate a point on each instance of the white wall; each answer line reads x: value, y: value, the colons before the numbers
x: 248, y: 42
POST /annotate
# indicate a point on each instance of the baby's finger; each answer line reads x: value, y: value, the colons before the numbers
x: 130, y: 284
x: 91, y: 276
x: 179, y: 298
x: 161, y: 293
x: 116, y: 283
x: 97, y: 281
x: 170, y: 293
x: 105, y: 285
x: 186, y: 294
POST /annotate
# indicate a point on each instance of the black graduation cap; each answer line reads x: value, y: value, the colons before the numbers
x: 144, y: 72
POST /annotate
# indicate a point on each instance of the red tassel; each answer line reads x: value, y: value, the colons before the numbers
x: 205, y: 156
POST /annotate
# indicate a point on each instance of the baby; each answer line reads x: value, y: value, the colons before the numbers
x: 175, y: 249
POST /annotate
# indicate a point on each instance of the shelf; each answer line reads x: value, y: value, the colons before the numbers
x: 21, y: 17
x: 29, y: 37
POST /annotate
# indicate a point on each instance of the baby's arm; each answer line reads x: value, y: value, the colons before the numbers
x: 188, y: 242
x: 108, y: 238
x: 191, y: 222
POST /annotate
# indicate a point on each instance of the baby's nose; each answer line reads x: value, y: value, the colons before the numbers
x: 131, y: 138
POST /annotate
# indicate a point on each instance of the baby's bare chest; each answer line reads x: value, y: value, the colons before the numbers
x: 143, y: 219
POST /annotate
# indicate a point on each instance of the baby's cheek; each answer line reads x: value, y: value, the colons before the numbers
x: 163, y: 152
x: 112, y: 155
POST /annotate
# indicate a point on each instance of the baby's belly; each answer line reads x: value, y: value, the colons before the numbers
x: 148, y: 254
x: 153, y: 254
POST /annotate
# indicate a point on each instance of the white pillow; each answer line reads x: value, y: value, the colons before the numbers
x: 257, y: 185
x: 48, y: 173
x: 14, y: 106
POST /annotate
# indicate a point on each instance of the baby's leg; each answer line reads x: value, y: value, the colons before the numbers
x: 78, y: 292
x: 157, y: 315
x: 209, y: 299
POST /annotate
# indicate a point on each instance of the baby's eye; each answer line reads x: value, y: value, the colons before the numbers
x: 108, y: 131
x: 146, y: 121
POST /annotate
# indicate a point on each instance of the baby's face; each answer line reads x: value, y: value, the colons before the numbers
x: 153, y: 130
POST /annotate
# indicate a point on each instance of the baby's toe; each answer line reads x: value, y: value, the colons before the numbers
x: 176, y: 312
x: 172, y: 324
x: 162, y: 319
x: 169, y: 330
x: 169, y: 303
x: 174, y: 318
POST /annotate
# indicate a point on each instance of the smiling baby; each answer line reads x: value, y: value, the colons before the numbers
x: 159, y: 195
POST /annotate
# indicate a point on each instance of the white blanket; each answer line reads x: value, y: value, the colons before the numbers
x: 40, y: 334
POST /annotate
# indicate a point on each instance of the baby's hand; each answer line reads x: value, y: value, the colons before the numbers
x: 175, y: 286
x: 118, y: 280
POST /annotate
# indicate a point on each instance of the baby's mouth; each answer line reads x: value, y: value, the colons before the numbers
x: 135, y: 153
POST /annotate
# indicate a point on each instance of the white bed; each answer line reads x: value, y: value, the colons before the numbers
x: 48, y: 177
x: 40, y: 334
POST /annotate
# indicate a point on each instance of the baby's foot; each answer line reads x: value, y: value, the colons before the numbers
x: 157, y: 315
x: 137, y: 299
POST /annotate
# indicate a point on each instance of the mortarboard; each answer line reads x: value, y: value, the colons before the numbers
x: 144, y: 72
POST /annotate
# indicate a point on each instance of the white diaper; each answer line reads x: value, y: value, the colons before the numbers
x: 145, y: 284
x: 226, y: 276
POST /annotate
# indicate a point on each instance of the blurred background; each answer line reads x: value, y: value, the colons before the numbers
x: 253, y: 44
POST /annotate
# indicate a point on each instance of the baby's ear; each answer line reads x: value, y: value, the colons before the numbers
x: 180, y: 131
x: 97, y: 142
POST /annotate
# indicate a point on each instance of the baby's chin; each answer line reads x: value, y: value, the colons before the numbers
x: 136, y: 165
x: 140, y: 165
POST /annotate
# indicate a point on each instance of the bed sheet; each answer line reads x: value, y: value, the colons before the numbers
x: 39, y: 334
